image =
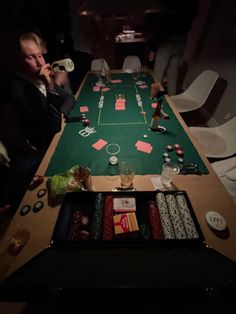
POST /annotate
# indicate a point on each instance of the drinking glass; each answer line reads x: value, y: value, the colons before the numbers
x: 169, y: 171
x: 127, y: 172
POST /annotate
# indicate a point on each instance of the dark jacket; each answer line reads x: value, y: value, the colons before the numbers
x: 39, y: 116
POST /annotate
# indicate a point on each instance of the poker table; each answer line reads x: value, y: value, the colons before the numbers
x: 121, y: 129
x: 41, y: 264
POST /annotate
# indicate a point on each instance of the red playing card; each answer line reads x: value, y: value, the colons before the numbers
x: 99, y: 144
x: 83, y: 109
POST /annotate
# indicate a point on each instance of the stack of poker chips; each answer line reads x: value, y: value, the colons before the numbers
x: 84, y: 120
x: 98, y: 217
x: 178, y: 151
x: 107, y: 233
x: 79, y: 226
x: 145, y: 231
x: 175, y: 216
x: 155, y: 221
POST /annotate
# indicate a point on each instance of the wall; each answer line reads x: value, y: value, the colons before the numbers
x: 217, y: 51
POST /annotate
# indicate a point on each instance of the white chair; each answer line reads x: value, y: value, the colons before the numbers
x: 131, y: 64
x: 197, y: 93
x: 226, y: 171
x: 219, y: 141
x: 96, y: 65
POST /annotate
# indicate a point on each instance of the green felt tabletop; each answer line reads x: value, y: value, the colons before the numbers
x: 121, y: 127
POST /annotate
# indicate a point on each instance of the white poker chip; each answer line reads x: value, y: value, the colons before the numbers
x: 140, y: 82
x: 216, y: 221
x: 113, y: 160
x: 145, y: 136
x: 169, y: 148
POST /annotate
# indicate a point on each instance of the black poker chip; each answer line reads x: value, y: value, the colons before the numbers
x: 24, y: 210
x: 38, y: 206
x: 41, y: 192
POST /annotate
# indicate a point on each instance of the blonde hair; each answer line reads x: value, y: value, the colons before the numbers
x: 34, y: 37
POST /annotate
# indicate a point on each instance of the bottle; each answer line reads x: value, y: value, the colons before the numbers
x: 156, y: 116
x: 64, y: 65
x: 103, y: 70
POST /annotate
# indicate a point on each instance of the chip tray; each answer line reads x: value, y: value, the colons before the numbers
x: 158, y: 219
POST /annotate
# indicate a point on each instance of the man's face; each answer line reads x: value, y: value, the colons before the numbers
x: 31, y: 59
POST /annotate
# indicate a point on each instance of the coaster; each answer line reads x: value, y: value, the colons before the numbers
x: 216, y: 221
x: 156, y: 182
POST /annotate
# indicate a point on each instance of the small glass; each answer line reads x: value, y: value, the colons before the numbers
x: 169, y: 171
x: 127, y: 172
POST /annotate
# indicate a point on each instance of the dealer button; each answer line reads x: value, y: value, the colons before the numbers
x: 216, y: 221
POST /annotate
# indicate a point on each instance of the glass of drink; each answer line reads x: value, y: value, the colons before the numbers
x: 127, y: 172
x: 169, y: 171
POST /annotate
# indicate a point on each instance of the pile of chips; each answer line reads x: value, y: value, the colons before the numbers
x: 178, y: 151
x: 84, y: 120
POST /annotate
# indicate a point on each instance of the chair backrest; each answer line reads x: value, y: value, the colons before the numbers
x: 228, y: 130
x: 96, y: 65
x: 131, y: 63
x: 219, y: 141
x: 201, y: 87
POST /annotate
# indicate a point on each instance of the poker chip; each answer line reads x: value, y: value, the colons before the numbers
x: 145, y: 135
x: 179, y: 152
x: 84, y: 235
x: 36, y: 181
x: 165, y: 155
x: 86, y: 122
x: 38, y: 206
x: 177, y: 146
x: 180, y: 160
x: 84, y: 220
x: 113, y: 160
x: 167, y: 159
x: 140, y: 82
x: 216, y: 221
x: 24, y: 210
x: 41, y: 192
x: 169, y: 148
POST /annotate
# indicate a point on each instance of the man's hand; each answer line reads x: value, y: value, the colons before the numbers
x: 47, y: 75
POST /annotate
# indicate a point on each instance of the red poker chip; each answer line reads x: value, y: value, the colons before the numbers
x: 177, y: 146
x: 179, y: 152
x: 86, y: 122
x: 36, y: 181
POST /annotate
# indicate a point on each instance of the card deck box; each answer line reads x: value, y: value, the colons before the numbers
x: 125, y: 223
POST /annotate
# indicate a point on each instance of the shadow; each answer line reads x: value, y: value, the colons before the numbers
x: 211, y: 160
x: 53, y: 201
x: 201, y: 116
x: 221, y: 234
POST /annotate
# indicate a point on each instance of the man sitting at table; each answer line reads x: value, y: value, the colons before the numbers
x: 34, y: 101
